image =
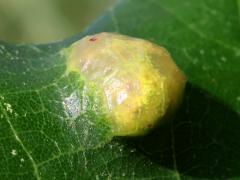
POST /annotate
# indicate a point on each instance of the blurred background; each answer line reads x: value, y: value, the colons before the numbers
x: 42, y: 21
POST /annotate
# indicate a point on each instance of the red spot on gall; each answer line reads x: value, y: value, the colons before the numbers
x: 93, y: 39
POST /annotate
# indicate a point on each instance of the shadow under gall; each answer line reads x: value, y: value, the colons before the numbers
x: 202, y: 141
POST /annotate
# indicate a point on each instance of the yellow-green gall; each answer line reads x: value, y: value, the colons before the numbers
x: 138, y: 81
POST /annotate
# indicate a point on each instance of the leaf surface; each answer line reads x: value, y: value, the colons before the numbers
x: 38, y: 139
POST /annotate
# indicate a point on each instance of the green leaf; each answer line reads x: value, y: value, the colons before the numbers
x: 39, y: 140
